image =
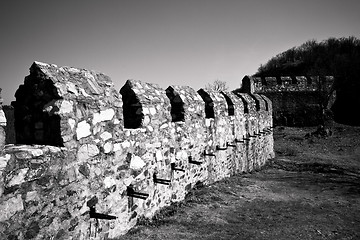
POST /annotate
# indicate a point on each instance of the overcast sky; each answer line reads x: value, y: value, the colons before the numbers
x: 182, y: 42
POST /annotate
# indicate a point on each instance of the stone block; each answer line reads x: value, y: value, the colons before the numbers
x: 10, y: 207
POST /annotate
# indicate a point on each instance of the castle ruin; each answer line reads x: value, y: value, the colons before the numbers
x: 297, y: 100
x: 89, y: 160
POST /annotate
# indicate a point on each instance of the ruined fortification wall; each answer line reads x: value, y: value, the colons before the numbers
x: 297, y: 100
x: 89, y: 161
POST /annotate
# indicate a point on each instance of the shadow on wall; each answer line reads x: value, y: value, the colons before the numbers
x: 132, y: 107
x: 344, y: 108
x: 177, y: 105
x: 34, y: 125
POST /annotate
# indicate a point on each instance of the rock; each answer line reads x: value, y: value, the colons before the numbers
x: 18, y: 178
x: 207, y: 122
x: 146, y: 120
x: 104, y: 115
x: 32, y: 230
x: 72, y: 123
x: 105, y: 136
x: 108, y: 147
x: 126, y: 144
x: 136, y: 163
x: 109, y: 181
x: 11, y: 206
x: 32, y: 196
x: 84, y: 169
x: 87, y: 151
x: 82, y: 130
x: 4, y: 160
x: 66, y: 107
x: 116, y: 147
x: 29, y: 153
x: 72, y: 88
x: 152, y: 111
x: 146, y: 111
x: 158, y: 156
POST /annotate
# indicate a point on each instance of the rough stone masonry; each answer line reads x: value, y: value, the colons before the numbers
x: 297, y: 100
x: 89, y: 160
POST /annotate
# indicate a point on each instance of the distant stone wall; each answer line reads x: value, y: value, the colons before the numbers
x: 297, y: 100
x: 288, y: 84
x: 90, y: 161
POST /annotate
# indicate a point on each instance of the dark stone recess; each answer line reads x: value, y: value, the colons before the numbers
x: 32, y: 124
x: 132, y: 108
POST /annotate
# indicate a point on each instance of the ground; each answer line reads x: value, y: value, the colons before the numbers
x: 310, y: 190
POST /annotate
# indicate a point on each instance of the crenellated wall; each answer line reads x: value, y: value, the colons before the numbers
x: 89, y: 161
x: 297, y: 100
x: 288, y: 84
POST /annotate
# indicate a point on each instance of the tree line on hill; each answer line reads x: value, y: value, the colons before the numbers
x: 338, y: 57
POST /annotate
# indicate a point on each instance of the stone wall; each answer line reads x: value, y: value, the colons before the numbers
x: 297, y: 100
x: 89, y: 161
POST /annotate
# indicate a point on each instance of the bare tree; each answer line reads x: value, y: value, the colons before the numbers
x: 217, y: 85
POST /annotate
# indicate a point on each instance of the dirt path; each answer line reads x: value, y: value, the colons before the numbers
x: 311, y: 190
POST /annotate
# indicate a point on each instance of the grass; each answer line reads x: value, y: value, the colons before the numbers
x: 311, y: 190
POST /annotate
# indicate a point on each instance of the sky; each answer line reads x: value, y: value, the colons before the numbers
x: 168, y: 42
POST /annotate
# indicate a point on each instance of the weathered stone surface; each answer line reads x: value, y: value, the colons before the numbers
x: 67, y: 92
x: 156, y: 142
x: 109, y: 181
x: 105, y: 115
x: 108, y: 147
x: 18, y: 177
x: 297, y: 101
x: 65, y: 107
x: 72, y: 123
x: 87, y: 151
x: 10, y: 206
x: 2, y: 118
x: 82, y: 130
x: 105, y: 136
x: 136, y: 163
x: 32, y: 196
x: 4, y: 160
x: 84, y: 169
x: 29, y: 153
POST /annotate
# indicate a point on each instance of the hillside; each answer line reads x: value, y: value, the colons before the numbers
x: 339, y: 57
